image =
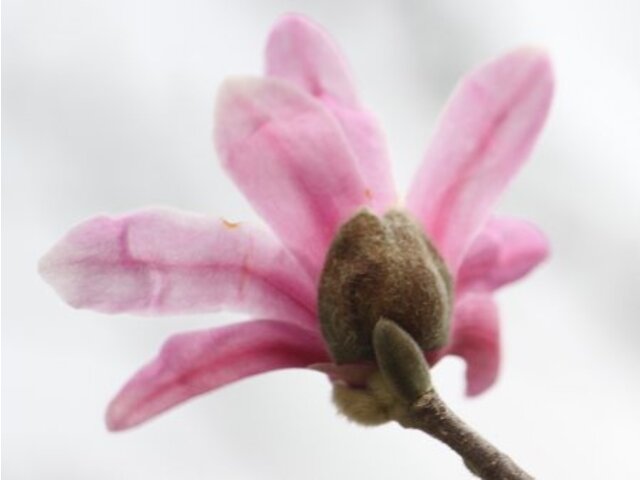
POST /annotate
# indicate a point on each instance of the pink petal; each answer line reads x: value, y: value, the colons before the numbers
x: 475, y: 337
x: 505, y: 250
x: 289, y: 157
x: 303, y: 54
x: 194, y: 363
x: 168, y: 262
x: 485, y: 134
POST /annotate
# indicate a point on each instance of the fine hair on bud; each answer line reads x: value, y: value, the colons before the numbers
x: 382, y: 267
x: 373, y: 404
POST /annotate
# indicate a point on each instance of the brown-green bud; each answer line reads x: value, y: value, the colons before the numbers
x: 401, y: 361
x: 382, y: 267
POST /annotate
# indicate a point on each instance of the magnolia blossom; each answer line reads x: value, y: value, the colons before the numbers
x: 308, y: 156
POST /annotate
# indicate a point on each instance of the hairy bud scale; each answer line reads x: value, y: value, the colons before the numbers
x: 382, y: 267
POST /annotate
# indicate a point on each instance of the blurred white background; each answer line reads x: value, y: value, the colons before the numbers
x: 107, y: 107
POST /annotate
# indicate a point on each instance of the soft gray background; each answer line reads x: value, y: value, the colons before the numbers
x: 107, y: 107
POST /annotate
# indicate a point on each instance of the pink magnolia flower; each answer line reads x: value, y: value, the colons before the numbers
x: 308, y: 156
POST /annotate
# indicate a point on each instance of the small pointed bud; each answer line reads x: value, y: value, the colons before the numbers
x: 382, y: 267
x: 401, y: 361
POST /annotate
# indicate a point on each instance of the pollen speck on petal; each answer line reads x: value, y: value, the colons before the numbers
x: 230, y: 225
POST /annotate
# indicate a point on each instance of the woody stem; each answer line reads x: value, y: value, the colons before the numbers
x: 431, y: 415
x: 404, y: 369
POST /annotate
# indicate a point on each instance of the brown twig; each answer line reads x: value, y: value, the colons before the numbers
x: 406, y: 372
x: 431, y: 415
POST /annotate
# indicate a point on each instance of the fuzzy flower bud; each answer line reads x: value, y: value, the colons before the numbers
x: 382, y: 267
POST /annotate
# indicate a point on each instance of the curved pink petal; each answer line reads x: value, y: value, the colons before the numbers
x: 167, y: 262
x: 303, y: 54
x: 475, y: 337
x: 483, y: 137
x: 505, y: 250
x: 290, y: 159
x: 194, y: 363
